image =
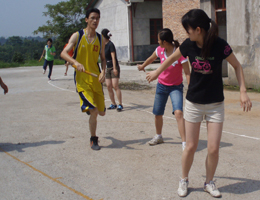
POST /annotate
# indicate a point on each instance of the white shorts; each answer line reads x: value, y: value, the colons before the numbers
x: 195, y: 112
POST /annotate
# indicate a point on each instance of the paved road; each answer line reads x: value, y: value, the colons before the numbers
x: 45, y: 153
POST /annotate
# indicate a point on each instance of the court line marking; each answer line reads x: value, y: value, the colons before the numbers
x: 46, y: 175
x: 245, y: 136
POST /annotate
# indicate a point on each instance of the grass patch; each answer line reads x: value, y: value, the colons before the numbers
x: 133, y: 86
x: 29, y: 63
x: 149, y: 69
x: 236, y: 88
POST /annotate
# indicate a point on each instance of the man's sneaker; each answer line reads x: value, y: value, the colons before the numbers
x: 112, y: 106
x: 120, y: 108
x: 94, y: 143
x: 156, y: 140
x: 212, y: 189
x: 183, y: 187
x: 43, y: 71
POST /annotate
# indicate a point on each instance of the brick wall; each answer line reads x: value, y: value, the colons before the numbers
x: 173, y: 10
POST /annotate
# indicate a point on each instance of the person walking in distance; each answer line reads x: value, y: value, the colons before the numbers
x: 169, y: 84
x: 205, y: 97
x: 49, y: 51
x: 89, y: 46
x: 113, y: 71
x: 67, y: 63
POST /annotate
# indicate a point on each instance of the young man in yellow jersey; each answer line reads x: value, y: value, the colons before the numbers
x: 88, y: 46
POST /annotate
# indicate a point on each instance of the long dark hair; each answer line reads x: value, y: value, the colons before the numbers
x: 166, y: 35
x: 198, y: 18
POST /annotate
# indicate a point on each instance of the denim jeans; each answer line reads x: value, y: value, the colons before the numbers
x: 161, y: 97
x: 50, y: 63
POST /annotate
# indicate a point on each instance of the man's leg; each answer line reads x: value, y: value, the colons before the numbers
x: 50, y: 69
x: 44, y: 66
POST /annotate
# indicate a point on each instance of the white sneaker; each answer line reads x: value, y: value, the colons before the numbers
x: 183, y: 187
x: 156, y: 140
x: 43, y: 71
x: 212, y: 189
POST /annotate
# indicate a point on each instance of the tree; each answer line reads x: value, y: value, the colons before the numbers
x: 14, y: 41
x: 18, y: 57
x: 66, y: 18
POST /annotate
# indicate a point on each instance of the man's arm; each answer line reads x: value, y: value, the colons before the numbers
x: 64, y: 54
x: 43, y: 53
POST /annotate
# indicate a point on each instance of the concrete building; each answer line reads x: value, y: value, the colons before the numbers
x: 134, y: 25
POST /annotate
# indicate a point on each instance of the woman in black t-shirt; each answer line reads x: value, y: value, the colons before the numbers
x: 113, y: 71
x: 205, y: 98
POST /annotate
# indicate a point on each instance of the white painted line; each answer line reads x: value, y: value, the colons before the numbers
x: 245, y: 136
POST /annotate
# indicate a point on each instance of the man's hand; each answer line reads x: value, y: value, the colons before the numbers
x: 102, y: 77
x: 80, y: 67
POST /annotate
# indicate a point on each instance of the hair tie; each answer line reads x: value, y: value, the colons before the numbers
x: 109, y: 34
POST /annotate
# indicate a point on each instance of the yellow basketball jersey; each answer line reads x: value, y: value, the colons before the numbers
x: 87, y: 53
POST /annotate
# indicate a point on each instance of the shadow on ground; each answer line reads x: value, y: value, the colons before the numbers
x: 7, y: 147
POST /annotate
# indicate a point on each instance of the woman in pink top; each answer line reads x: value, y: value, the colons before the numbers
x: 169, y: 84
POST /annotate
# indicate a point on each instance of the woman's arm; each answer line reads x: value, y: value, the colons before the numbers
x: 186, y: 69
x: 151, y: 76
x: 147, y: 62
x: 113, y: 56
x: 244, y: 99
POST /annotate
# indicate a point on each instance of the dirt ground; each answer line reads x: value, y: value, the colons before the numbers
x: 45, y: 153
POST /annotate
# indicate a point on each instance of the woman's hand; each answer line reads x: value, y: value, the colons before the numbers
x: 140, y: 67
x: 245, y: 102
x: 151, y: 76
x: 115, y: 72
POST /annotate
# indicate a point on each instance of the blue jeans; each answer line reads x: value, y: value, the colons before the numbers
x: 161, y: 97
x: 50, y: 63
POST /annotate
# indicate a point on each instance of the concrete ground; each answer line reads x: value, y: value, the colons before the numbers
x: 45, y: 153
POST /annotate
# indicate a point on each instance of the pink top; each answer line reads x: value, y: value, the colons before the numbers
x: 173, y: 74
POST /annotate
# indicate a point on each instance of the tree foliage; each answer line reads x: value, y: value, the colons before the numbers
x: 65, y: 19
x: 18, y: 49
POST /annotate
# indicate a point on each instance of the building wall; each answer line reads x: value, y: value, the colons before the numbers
x: 115, y: 18
x: 173, y: 10
x: 141, y: 28
x: 243, y: 34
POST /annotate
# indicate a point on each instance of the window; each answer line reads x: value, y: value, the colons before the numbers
x: 220, y: 5
x: 155, y: 27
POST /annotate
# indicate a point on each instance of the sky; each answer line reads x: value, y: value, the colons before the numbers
x: 22, y: 17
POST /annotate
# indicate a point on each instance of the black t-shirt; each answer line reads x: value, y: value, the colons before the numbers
x: 110, y: 47
x: 206, y: 85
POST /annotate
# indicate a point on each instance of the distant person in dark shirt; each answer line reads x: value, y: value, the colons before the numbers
x: 113, y: 71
